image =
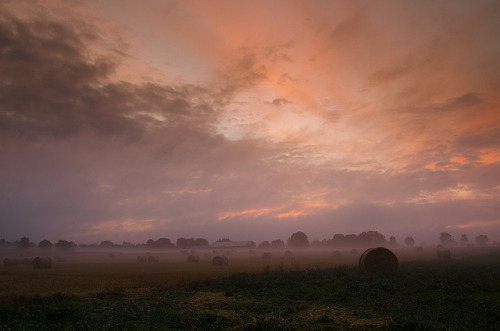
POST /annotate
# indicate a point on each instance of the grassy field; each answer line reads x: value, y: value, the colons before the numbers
x: 312, y: 291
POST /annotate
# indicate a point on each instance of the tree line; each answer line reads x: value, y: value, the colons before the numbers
x: 296, y: 240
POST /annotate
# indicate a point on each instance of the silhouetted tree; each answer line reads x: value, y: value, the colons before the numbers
x: 65, y: 245
x: 393, y: 242
x: 264, y: 244
x: 481, y: 240
x: 446, y: 239
x: 278, y: 243
x: 163, y: 243
x: 464, y: 241
x: 222, y: 240
x: 45, y: 244
x: 409, y: 242
x: 106, y: 244
x: 150, y: 243
x: 188, y: 243
x: 24, y: 242
x: 298, y: 240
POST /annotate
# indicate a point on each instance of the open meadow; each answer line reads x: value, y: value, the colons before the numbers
x: 310, y: 289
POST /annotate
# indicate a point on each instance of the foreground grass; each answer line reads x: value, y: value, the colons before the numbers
x: 431, y: 295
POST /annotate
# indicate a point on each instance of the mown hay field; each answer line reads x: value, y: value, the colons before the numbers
x: 307, y: 291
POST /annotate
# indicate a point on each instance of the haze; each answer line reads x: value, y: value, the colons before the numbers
x: 251, y: 120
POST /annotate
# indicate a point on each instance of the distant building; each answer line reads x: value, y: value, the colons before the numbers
x: 232, y: 244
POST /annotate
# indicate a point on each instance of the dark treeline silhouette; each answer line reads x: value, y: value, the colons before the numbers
x: 296, y: 240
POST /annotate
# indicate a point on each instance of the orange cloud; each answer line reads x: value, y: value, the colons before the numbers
x: 477, y: 224
x: 250, y: 212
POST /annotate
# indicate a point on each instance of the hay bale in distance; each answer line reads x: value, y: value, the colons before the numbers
x: 288, y: 253
x: 337, y: 254
x: 444, y: 254
x: 193, y: 258
x: 140, y: 259
x: 378, y: 259
x: 220, y: 260
x: 42, y: 262
x: 10, y: 262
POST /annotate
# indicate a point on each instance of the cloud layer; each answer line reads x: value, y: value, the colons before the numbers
x: 225, y: 119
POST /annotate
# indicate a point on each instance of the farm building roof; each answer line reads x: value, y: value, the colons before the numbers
x: 233, y: 244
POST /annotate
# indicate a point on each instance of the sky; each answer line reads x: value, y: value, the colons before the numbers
x: 130, y: 120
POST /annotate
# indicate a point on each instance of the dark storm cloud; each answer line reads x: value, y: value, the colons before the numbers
x: 51, y: 86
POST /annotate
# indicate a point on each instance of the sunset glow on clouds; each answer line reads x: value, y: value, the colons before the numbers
x: 128, y: 120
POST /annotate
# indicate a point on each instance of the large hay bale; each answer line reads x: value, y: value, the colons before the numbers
x: 42, y: 262
x: 10, y: 262
x: 378, y: 259
x: 444, y: 254
x: 193, y: 258
x: 220, y: 260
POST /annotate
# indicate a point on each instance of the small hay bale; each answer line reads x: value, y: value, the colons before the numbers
x: 267, y: 255
x: 193, y: 258
x: 10, y: 262
x: 140, y: 259
x: 42, y: 262
x: 220, y: 260
x: 443, y: 254
x: 378, y: 259
x: 152, y: 258
x: 337, y: 254
x: 288, y: 253
x: 420, y: 249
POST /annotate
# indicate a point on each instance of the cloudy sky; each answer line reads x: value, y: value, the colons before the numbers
x: 130, y: 120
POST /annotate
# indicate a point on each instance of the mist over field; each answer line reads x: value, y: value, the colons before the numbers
x: 123, y: 121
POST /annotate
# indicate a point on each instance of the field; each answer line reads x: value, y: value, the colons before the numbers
x: 310, y: 290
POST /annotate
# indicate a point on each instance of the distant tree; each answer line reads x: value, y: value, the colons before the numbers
x: 409, y: 242
x: 393, y: 242
x: 351, y: 240
x: 106, y: 244
x: 163, y: 243
x: 222, y: 240
x: 481, y: 240
x: 464, y: 241
x: 45, y: 244
x: 371, y: 238
x: 264, y: 244
x: 65, y: 245
x: 338, y: 240
x: 188, y: 243
x: 278, y: 243
x: 298, y: 240
x: 316, y: 243
x: 24, y: 242
x: 446, y: 239
x: 126, y: 244
x: 150, y: 243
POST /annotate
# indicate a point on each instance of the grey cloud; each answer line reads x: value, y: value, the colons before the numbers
x: 488, y: 139
x: 50, y: 87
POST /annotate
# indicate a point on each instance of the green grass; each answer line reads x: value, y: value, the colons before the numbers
x: 424, y: 295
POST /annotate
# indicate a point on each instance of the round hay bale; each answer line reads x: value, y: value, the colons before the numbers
x: 220, y: 260
x: 42, y: 262
x: 152, y: 258
x: 420, y: 249
x: 140, y: 259
x: 337, y: 254
x: 193, y: 258
x: 288, y: 253
x: 444, y: 254
x: 10, y: 262
x: 378, y: 259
